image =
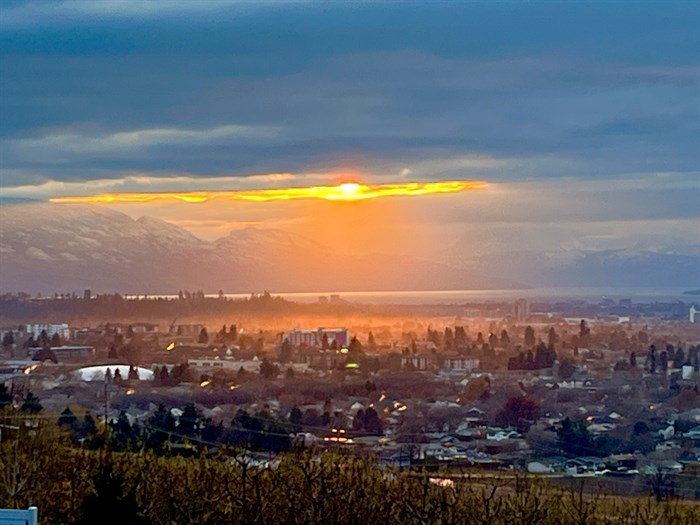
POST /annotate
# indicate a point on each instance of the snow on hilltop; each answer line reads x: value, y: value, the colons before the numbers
x: 50, y: 247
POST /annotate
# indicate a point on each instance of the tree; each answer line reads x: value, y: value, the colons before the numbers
x: 123, y: 436
x: 203, y: 336
x: 43, y: 339
x: 505, y: 339
x: 232, y: 333
x: 8, y: 340
x: 371, y: 343
x: 567, y: 368
x: 678, y: 358
x: 189, y: 422
x: 268, y: 370
x: 529, y: 336
x: 519, y: 412
x: 110, y: 501
x: 5, y: 397
x: 295, y: 416
x: 325, y: 345
x: 31, y: 404
x: 67, y: 419
x: 355, y: 347
x: 371, y: 422
x: 286, y: 351
x: 88, y: 426
x: 662, y: 485
x: 574, y: 438
x: 222, y: 335
x: 552, y: 337
x: 493, y: 340
x: 161, y: 424
x: 651, y: 359
x: 130, y: 332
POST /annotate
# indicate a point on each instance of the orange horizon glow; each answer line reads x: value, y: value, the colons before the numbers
x: 347, y: 191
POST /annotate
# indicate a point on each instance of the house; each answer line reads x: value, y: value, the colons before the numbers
x: 693, y: 433
x: 622, y: 463
x: 546, y: 465
x: 502, y: 435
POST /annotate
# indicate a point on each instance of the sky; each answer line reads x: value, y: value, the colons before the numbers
x: 583, y: 118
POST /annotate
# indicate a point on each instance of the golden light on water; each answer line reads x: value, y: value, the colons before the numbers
x: 347, y: 191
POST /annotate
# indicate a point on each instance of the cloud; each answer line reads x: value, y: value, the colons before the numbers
x: 584, y: 118
x: 23, y: 13
x: 62, y: 143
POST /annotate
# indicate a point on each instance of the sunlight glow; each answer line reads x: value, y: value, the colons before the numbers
x: 347, y: 191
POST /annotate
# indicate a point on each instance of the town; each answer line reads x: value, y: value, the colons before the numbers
x: 500, y: 386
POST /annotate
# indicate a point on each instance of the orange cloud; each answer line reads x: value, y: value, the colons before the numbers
x: 347, y: 191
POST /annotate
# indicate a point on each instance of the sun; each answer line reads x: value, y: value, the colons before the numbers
x: 349, y: 188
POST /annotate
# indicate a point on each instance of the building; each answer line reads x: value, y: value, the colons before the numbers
x: 693, y: 312
x: 314, y: 338
x: 60, y: 329
x: 521, y: 310
x: 71, y: 353
x: 460, y: 363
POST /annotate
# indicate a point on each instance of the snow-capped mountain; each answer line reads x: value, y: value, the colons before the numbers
x: 46, y: 248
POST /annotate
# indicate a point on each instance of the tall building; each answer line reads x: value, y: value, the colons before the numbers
x: 521, y: 310
x: 693, y: 312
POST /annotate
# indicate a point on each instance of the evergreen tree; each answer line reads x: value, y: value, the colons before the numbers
x: 286, y: 351
x: 5, y: 397
x: 88, y: 427
x: 295, y: 416
x: 67, y: 419
x: 371, y: 422
x: 8, y: 340
x: 370, y: 341
x: 505, y: 339
x: 31, y: 404
x: 584, y: 334
x: 190, y: 420
x: 122, y: 433
x: 574, y: 438
x: 678, y: 358
x: 355, y: 348
x: 268, y: 370
x: 203, y: 336
x: 529, y: 336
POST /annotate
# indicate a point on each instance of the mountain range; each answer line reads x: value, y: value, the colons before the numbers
x: 48, y: 247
